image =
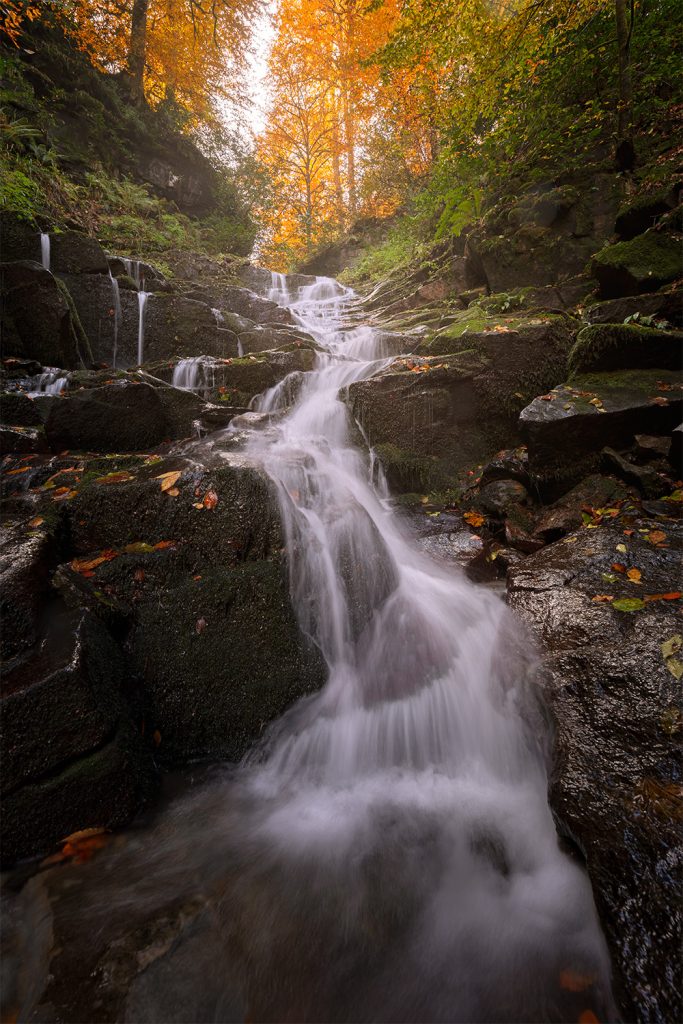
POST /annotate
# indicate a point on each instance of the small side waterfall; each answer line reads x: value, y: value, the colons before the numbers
x: 51, y: 382
x: 116, y: 295
x: 134, y: 270
x: 142, y: 303
x: 188, y: 374
x: 45, y: 249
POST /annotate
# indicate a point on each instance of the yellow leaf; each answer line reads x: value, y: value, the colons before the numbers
x: 168, y: 480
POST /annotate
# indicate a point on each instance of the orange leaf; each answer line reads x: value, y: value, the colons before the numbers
x: 85, y: 565
x: 602, y: 597
x: 163, y: 544
x: 13, y: 472
x: 114, y: 478
x: 588, y: 1017
x: 168, y: 480
x: 210, y: 499
x: 474, y: 518
x: 173, y: 492
x: 656, y: 536
x: 634, y: 575
x: 659, y: 401
x: 672, y: 595
x: 156, y: 736
x: 618, y: 567
x: 38, y: 521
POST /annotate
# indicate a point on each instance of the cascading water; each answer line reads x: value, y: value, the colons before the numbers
x: 116, y: 295
x: 188, y: 374
x: 134, y: 270
x: 45, y: 249
x: 387, y: 852
x: 51, y: 382
x: 142, y: 303
x: 403, y: 809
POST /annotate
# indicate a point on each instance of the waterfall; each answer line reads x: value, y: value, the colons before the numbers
x: 51, y: 382
x: 116, y: 295
x: 240, y: 349
x: 45, y: 249
x: 134, y: 270
x: 278, y: 291
x: 142, y: 302
x: 410, y: 792
x: 188, y: 374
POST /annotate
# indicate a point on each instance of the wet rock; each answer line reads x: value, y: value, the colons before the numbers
x: 665, y: 305
x: 644, y: 211
x: 244, y: 303
x: 566, y: 514
x: 73, y: 252
x: 625, y: 347
x: 643, y: 264
x: 566, y: 430
x: 676, y: 451
x: 459, y: 548
x: 651, y: 483
x: 615, y: 701
x: 38, y: 320
x: 117, y: 417
x: 25, y: 561
x: 507, y: 465
x: 648, y: 447
x: 499, y: 496
x: 22, y: 439
x: 233, y: 661
x: 18, y: 410
x: 519, y: 533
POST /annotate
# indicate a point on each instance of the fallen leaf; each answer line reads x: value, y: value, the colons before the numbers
x: 599, y: 598
x: 210, y: 499
x: 163, y: 544
x: 200, y: 626
x: 634, y: 575
x: 64, y: 494
x: 198, y: 504
x: 168, y: 480
x: 79, y: 846
x: 14, y: 472
x: 474, y: 519
x: 675, y: 667
x: 621, y: 547
x: 588, y: 1017
x: 38, y: 521
x: 156, y: 736
x: 139, y: 575
x: 139, y: 547
x: 656, y: 536
x: 628, y: 604
x: 618, y: 567
x: 659, y: 401
x: 173, y: 492
x: 672, y: 645
x: 84, y: 565
x: 671, y: 722
x: 114, y: 478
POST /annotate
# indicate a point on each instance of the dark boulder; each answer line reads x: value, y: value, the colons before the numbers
x: 566, y: 429
x: 19, y: 410
x: 645, y: 309
x: 38, y: 318
x: 73, y: 252
x: 125, y: 415
x: 500, y: 496
x: 568, y: 512
x: 610, y: 680
x: 643, y: 264
x: 648, y: 481
x: 625, y: 347
x: 25, y: 563
x: 22, y: 439
x: 507, y: 465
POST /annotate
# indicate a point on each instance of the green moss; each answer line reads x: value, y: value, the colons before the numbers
x: 407, y: 471
x: 651, y: 256
x: 631, y: 380
x: 618, y: 346
x: 80, y: 338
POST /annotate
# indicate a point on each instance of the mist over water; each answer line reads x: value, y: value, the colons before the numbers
x: 387, y: 852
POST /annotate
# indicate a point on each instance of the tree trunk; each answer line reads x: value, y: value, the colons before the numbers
x: 625, y: 151
x: 137, y: 49
x: 350, y: 146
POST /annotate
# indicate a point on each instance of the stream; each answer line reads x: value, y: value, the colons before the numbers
x: 387, y: 852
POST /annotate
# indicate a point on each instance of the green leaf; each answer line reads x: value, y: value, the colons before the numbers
x: 675, y: 667
x: 628, y: 604
x: 672, y: 645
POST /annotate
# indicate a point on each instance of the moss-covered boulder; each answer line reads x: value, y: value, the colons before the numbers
x: 646, y: 310
x: 643, y: 264
x: 625, y: 347
x: 566, y: 429
x: 38, y: 319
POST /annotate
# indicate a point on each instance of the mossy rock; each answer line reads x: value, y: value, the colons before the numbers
x: 604, y: 347
x: 643, y: 264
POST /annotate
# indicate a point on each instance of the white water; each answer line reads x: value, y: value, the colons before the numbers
x: 116, y: 295
x: 50, y: 382
x: 421, y: 763
x: 134, y: 270
x: 45, y: 249
x: 189, y: 373
x: 387, y: 852
x: 142, y: 303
